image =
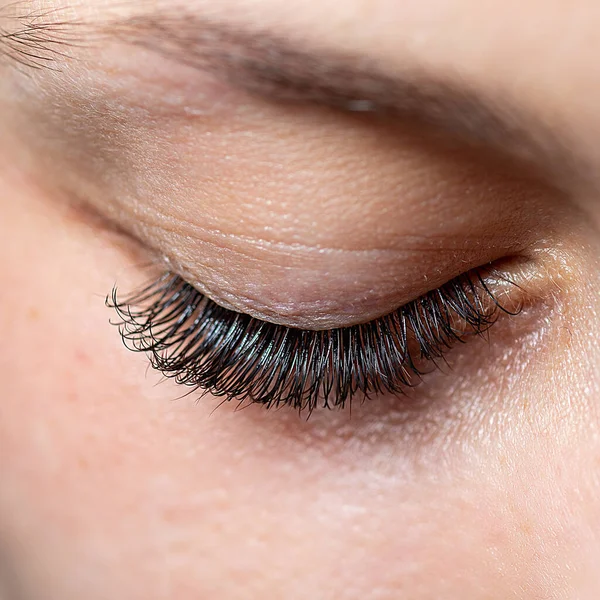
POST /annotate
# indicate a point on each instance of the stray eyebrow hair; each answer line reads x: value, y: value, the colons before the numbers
x: 34, y: 39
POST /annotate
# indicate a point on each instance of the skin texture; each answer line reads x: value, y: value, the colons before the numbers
x: 482, y: 483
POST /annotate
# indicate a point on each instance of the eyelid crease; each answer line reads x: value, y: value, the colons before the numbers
x: 303, y: 290
x: 263, y: 243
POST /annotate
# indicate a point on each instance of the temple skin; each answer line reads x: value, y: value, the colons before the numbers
x: 120, y: 159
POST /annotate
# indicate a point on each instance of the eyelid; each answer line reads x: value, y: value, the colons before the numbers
x: 317, y: 222
x: 221, y: 199
x: 322, y: 183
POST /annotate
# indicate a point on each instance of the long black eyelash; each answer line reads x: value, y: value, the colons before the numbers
x: 232, y: 355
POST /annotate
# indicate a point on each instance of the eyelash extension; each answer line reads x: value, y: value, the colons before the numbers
x: 234, y: 356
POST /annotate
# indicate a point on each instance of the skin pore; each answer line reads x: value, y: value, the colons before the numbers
x: 313, y: 164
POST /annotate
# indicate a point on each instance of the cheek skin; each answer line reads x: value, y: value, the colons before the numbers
x: 112, y: 489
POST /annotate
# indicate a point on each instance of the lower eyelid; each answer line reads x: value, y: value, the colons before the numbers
x: 234, y: 356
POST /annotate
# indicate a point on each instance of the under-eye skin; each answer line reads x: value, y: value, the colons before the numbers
x: 234, y: 356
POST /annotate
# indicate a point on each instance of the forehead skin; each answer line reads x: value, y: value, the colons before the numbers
x: 111, y: 490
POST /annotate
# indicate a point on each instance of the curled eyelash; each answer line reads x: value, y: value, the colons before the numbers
x: 234, y: 356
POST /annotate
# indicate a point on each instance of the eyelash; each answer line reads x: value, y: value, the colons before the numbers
x: 234, y: 356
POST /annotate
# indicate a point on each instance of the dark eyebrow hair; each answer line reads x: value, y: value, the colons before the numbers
x: 35, y: 39
x: 284, y: 68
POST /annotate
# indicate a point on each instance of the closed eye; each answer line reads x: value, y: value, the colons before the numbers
x: 240, y: 358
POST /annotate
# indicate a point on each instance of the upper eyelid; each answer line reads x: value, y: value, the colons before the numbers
x: 321, y: 288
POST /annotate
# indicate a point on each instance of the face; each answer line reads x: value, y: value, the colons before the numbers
x: 329, y: 201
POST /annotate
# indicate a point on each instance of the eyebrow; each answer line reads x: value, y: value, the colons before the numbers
x: 288, y: 69
x: 284, y: 69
